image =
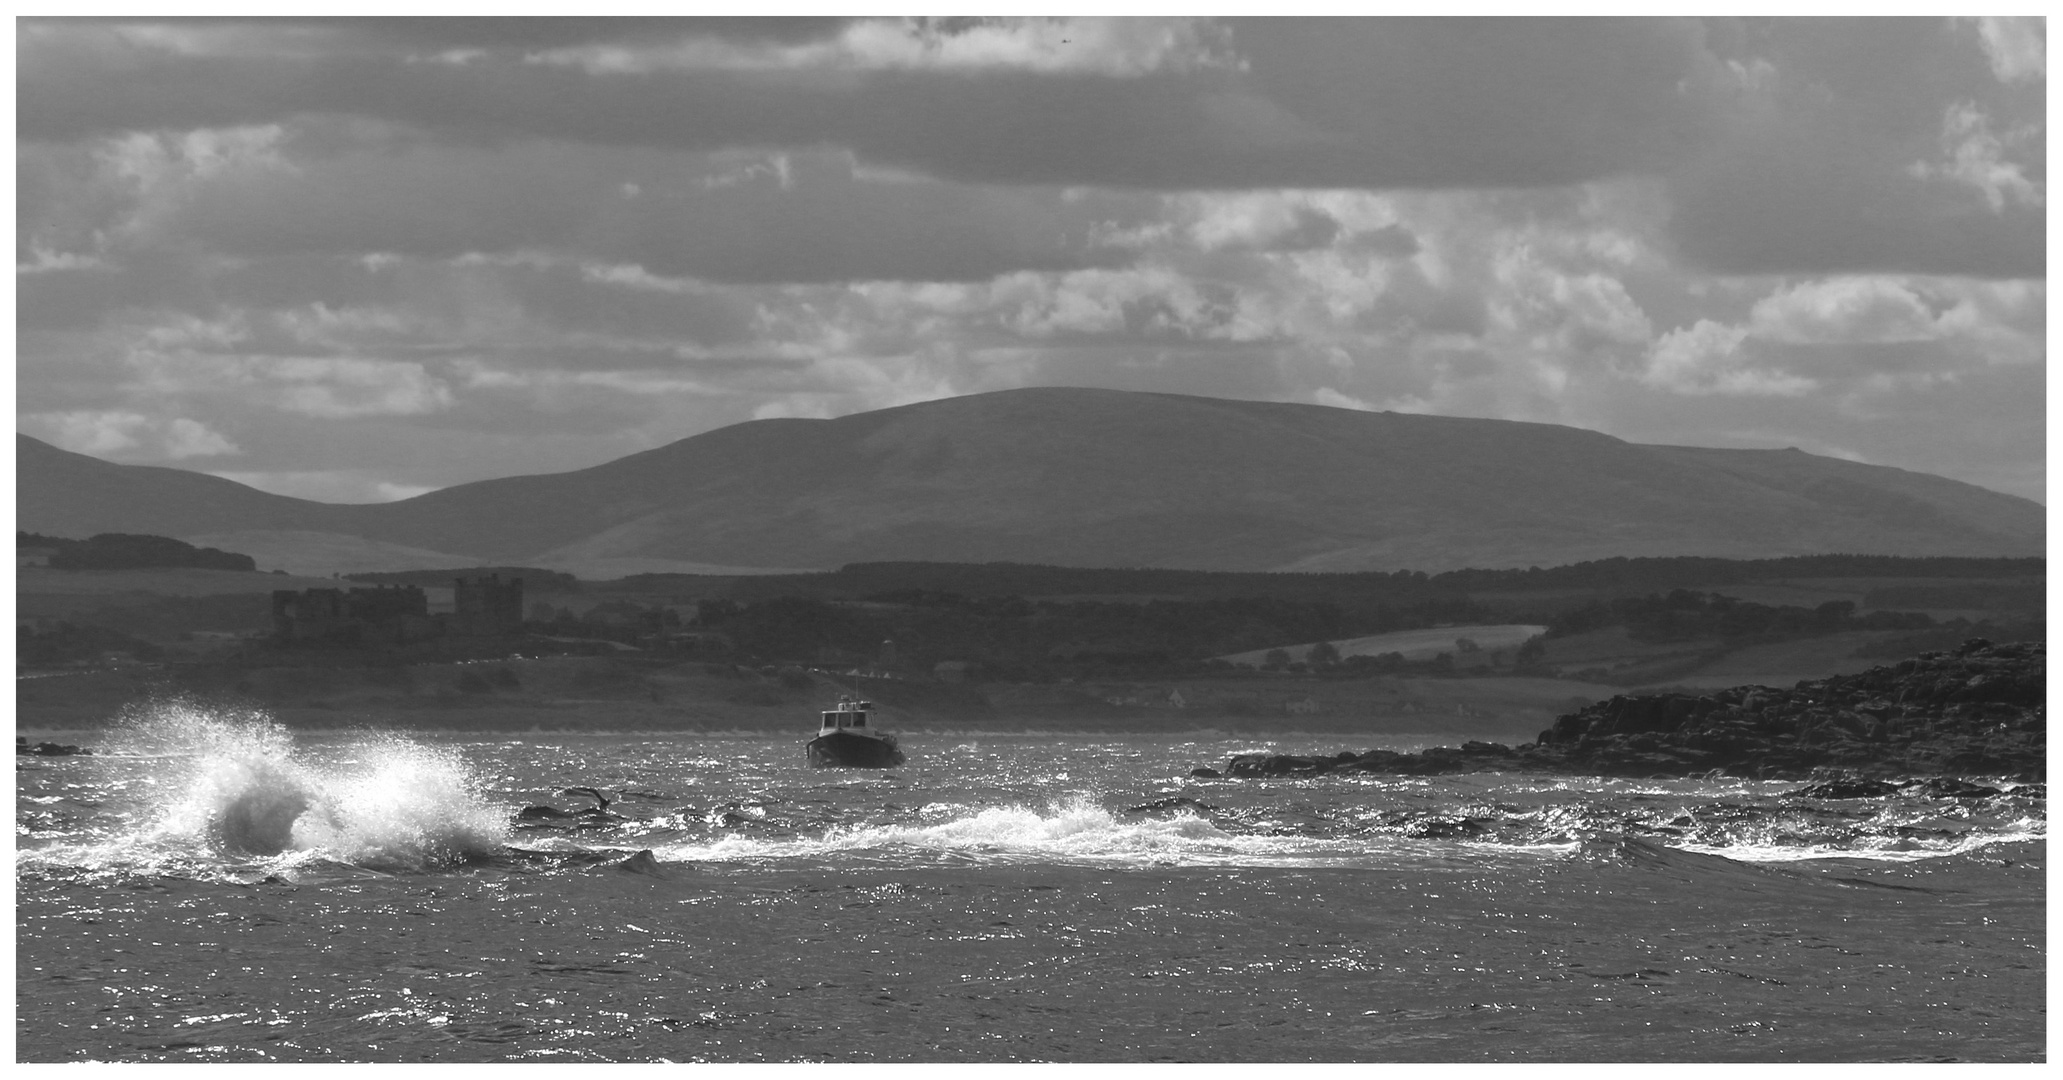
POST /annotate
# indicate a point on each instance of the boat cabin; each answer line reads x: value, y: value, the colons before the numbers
x: 850, y: 715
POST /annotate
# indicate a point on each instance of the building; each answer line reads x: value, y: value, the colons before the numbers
x: 377, y: 615
x: 487, y: 607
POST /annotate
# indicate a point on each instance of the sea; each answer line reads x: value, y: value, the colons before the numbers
x: 210, y: 886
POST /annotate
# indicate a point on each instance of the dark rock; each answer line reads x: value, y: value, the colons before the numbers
x: 1856, y: 788
x: 1948, y: 787
x: 48, y: 749
x: 644, y: 862
x: 592, y: 817
x: 1279, y: 765
x: 1206, y: 771
x: 1978, y: 711
x: 544, y: 813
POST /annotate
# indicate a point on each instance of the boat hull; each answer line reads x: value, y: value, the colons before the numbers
x: 842, y: 750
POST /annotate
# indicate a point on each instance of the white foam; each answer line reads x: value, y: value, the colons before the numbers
x: 1876, y: 849
x: 1075, y: 829
x: 232, y: 784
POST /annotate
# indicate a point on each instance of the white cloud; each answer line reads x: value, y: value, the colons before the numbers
x: 396, y: 492
x: 2016, y: 48
x: 323, y: 485
x: 90, y: 432
x: 1846, y: 310
x: 1326, y: 395
x: 118, y: 433
x: 1121, y: 47
x: 329, y: 388
x: 190, y: 438
x: 1708, y: 358
x: 1975, y: 157
x: 787, y: 408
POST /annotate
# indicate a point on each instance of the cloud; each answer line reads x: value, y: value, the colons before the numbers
x: 1707, y: 358
x: 120, y: 433
x: 97, y: 433
x: 1862, y: 338
x: 1103, y: 46
x: 190, y: 439
x: 2016, y: 47
x: 809, y: 217
x: 1857, y: 310
x: 325, y: 485
x: 1976, y: 158
x: 1814, y: 171
x: 416, y: 252
x: 1787, y: 146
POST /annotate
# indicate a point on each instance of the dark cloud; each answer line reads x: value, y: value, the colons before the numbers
x: 417, y: 252
x: 1817, y: 172
x: 1788, y: 145
x: 1332, y: 103
x: 1487, y: 102
x: 810, y: 219
x: 1390, y: 241
x: 1310, y: 229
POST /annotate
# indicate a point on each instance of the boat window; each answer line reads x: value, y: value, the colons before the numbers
x: 860, y: 720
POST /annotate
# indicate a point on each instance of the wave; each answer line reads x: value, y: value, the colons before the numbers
x: 1079, y: 830
x: 225, y: 784
x: 1877, y: 848
x: 1074, y: 829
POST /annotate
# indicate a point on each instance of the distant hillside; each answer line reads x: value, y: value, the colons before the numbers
x: 73, y: 495
x: 1107, y: 478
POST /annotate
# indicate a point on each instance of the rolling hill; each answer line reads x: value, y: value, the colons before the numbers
x: 1096, y: 478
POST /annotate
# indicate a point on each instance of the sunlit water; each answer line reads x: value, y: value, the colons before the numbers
x: 213, y: 887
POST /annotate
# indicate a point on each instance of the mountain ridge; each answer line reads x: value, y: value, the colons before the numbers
x: 1106, y: 478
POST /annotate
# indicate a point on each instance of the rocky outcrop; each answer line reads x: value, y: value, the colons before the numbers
x: 48, y: 749
x: 1975, y: 711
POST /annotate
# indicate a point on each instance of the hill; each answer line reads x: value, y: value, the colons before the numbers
x: 1105, y: 478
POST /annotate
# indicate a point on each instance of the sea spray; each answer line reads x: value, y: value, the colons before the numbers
x: 1074, y: 828
x: 236, y: 783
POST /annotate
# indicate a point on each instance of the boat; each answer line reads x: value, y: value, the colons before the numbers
x: 846, y: 740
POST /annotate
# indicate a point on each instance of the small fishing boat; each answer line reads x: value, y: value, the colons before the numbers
x: 846, y: 740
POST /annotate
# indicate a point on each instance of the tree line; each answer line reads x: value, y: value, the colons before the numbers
x: 132, y: 551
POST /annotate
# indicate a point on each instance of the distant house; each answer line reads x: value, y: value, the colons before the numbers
x: 382, y: 614
x: 33, y: 556
x: 697, y: 641
x: 615, y: 613
x: 487, y: 607
x: 1176, y: 700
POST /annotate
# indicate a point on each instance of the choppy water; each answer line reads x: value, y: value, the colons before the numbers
x: 214, y: 888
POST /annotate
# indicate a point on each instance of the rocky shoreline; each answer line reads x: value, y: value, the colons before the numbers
x: 1977, y: 711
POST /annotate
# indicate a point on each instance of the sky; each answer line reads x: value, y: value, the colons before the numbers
x: 358, y: 260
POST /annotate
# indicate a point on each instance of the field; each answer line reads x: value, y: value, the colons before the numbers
x: 196, y: 615
x: 1413, y: 644
x: 32, y: 581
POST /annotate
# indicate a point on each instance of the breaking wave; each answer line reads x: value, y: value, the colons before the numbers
x: 232, y: 784
x: 1074, y: 829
